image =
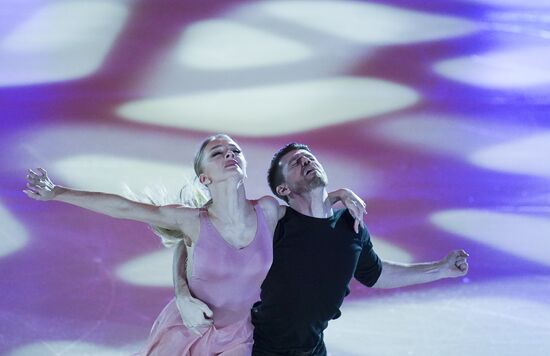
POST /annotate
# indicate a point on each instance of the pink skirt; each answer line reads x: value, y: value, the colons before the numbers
x: 170, y: 337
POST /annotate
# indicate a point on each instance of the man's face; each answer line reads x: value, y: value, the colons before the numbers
x: 302, y: 172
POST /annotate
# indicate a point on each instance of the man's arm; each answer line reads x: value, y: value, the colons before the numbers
x: 395, y: 275
x: 372, y: 271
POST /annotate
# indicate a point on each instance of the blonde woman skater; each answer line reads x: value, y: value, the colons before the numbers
x: 223, y: 250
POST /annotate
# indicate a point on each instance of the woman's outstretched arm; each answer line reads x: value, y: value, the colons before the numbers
x: 40, y: 187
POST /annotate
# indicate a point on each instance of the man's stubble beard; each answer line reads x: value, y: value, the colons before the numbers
x: 320, y: 180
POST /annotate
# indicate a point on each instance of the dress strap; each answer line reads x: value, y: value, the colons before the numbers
x: 259, y: 211
x: 203, y: 212
x: 262, y: 228
x: 205, y: 225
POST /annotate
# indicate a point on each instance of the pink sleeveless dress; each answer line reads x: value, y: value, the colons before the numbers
x: 228, y: 280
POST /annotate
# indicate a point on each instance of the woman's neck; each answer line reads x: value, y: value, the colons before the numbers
x: 229, y: 202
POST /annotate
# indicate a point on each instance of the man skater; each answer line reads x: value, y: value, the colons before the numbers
x: 316, y: 252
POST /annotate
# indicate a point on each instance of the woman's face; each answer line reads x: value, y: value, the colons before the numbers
x: 222, y: 160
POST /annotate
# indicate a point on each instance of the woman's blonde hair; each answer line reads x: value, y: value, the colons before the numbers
x: 191, y: 195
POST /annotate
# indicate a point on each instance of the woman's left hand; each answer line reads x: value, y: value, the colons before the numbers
x: 355, y: 205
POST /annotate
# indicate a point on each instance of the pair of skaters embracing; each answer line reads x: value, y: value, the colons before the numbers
x: 254, y: 276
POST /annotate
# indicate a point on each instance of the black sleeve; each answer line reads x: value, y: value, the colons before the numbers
x: 369, y: 266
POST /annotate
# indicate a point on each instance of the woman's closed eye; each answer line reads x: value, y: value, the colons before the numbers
x: 236, y: 151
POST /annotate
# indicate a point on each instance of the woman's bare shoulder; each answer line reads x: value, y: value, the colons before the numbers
x: 272, y: 207
x: 188, y: 219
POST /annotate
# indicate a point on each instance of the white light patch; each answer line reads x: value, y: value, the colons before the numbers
x: 118, y: 145
x: 368, y: 23
x: 34, y: 148
x: 13, y: 236
x: 70, y: 348
x: 390, y: 252
x: 222, y: 44
x: 524, y: 236
x: 114, y: 174
x: 529, y: 155
x: 513, y: 68
x: 536, y: 4
x: 152, y: 270
x: 275, y: 110
x: 456, y: 136
x: 490, y: 319
x: 62, y: 41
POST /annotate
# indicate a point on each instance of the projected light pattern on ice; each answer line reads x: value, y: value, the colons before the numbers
x: 435, y: 113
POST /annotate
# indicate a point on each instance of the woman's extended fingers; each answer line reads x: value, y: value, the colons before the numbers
x: 42, y: 172
x: 35, y: 185
x: 361, y: 208
x: 32, y: 188
x: 39, y: 182
x: 42, y: 175
x: 34, y: 178
x: 36, y: 182
x: 33, y: 175
x: 31, y: 194
x: 357, y: 211
x: 38, y: 185
x: 356, y: 226
x: 357, y: 223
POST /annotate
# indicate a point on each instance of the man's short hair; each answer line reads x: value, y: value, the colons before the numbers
x: 274, y: 173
